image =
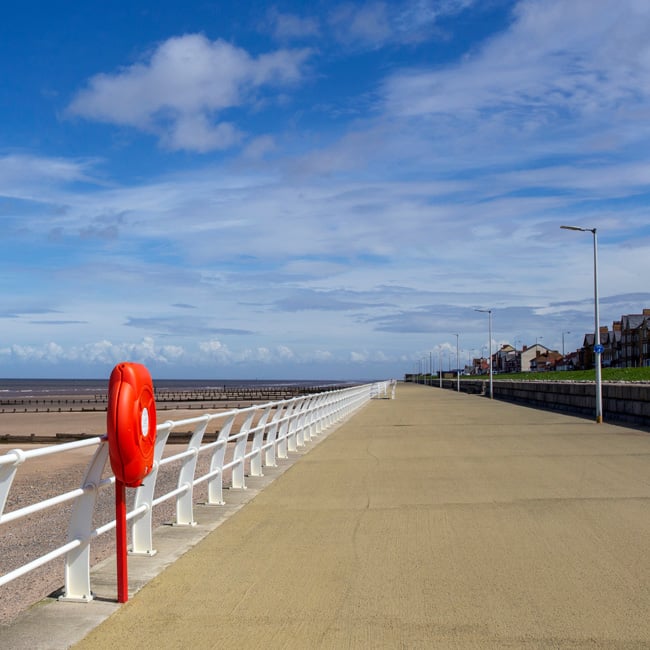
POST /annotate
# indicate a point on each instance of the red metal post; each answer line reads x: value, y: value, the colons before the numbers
x: 120, y: 538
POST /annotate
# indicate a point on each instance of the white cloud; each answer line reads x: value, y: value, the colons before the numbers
x: 259, y: 147
x: 555, y: 57
x: 322, y: 355
x: 375, y: 24
x: 180, y: 90
x: 27, y: 176
x: 285, y: 26
x: 50, y: 352
x: 215, y: 350
x: 368, y: 24
x: 195, y: 132
x: 285, y: 352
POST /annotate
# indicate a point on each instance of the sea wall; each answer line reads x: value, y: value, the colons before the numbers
x: 622, y: 402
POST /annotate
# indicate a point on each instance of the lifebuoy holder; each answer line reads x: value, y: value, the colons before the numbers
x: 131, y: 423
x: 131, y: 433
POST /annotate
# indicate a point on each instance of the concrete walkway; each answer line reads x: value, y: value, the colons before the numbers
x: 437, y: 520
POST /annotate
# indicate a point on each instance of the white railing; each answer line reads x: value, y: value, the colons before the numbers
x: 251, y: 437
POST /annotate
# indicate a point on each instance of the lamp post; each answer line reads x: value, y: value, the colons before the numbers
x: 489, y: 313
x: 563, y: 333
x: 457, y: 366
x: 598, y: 348
x: 518, y: 354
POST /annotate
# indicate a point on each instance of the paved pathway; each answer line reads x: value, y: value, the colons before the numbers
x: 437, y: 520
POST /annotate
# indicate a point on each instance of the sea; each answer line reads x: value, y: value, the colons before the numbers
x: 44, y: 388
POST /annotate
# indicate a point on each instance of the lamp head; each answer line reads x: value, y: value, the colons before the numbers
x: 592, y: 230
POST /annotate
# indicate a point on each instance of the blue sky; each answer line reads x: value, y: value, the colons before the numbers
x: 316, y: 190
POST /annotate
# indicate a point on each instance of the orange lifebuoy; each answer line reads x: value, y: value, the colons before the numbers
x: 131, y: 423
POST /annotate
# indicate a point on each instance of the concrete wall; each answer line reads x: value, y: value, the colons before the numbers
x: 624, y: 402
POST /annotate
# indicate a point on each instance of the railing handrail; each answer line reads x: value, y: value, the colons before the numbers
x: 276, y: 428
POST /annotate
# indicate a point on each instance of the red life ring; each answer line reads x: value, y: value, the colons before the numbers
x: 131, y: 423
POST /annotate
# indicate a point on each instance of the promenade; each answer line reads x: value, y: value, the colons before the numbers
x: 435, y: 520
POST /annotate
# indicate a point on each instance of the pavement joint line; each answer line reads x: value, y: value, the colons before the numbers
x: 53, y: 625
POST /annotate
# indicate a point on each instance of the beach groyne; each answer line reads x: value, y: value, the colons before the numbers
x: 227, y: 396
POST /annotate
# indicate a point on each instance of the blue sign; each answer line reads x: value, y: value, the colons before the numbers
x: 599, y: 349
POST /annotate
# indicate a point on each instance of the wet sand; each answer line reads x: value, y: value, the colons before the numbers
x: 87, y: 423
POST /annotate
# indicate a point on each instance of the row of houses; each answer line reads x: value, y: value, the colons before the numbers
x: 625, y: 345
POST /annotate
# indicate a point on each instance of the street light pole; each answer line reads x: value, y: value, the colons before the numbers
x: 489, y: 313
x: 457, y: 366
x: 598, y: 348
x: 518, y: 355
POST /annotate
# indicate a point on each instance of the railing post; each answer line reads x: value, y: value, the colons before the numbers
x: 7, y: 475
x: 322, y: 416
x: 258, y: 438
x: 184, y: 501
x: 77, y: 561
x: 329, y: 412
x: 238, y: 481
x: 302, y: 423
x: 269, y: 456
x: 215, y: 484
x: 142, y: 529
x: 284, y: 428
x: 312, y: 430
x: 293, y: 424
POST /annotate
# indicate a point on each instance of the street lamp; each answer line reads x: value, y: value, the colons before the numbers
x: 489, y: 313
x: 457, y: 366
x: 598, y: 348
x: 563, y: 333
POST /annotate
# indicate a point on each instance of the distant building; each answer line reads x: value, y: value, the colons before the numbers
x: 587, y: 351
x: 635, y: 340
x: 546, y: 362
x: 569, y: 361
x: 529, y: 353
x: 626, y: 345
x: 507, y: 359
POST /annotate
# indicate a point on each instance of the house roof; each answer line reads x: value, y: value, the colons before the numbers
x: 589, y: 339
x: 632, y: 321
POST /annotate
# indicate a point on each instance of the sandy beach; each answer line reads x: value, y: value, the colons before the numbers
x: 87, y: 422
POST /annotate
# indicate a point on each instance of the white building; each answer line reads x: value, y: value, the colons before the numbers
x: 529, y: 353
